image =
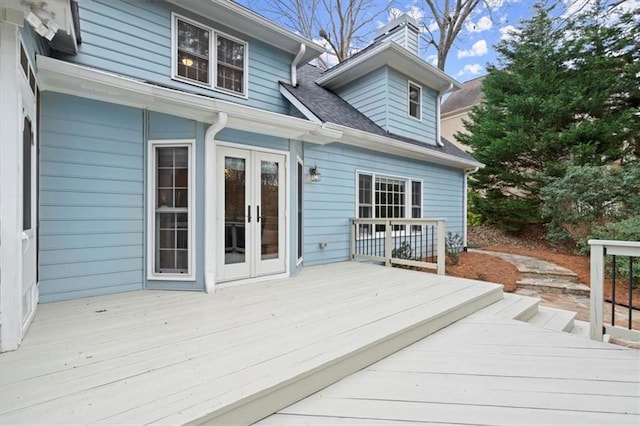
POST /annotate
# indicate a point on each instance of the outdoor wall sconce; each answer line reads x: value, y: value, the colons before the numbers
x: 314, y: 174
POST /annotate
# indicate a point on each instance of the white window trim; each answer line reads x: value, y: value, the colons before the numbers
x: 213, y: 57
x: 151, y: 210
x: 408, y: 199
x: 299, y: 162
x: 409, y: 84
x: 245, y: 73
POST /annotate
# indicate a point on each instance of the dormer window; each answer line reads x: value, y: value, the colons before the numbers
x: 196, y: 60
x: 415, y: 95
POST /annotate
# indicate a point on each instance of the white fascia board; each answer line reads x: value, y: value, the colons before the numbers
x: 395, y: 56
x: 387, y: 145
x: 64, y: 77
x: 299, y: 105
x: 250, y: 23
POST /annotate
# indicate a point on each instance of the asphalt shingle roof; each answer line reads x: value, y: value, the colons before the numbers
x: 470, y: 94
x: 329, y: 107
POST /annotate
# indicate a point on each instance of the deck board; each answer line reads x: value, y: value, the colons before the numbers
x: 177, y: 357
x: 485, y: 370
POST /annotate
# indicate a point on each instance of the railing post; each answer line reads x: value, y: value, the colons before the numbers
x: 596, y: 314
x: 352, y: 242
x: 441, y: 248
x: 387, y: 243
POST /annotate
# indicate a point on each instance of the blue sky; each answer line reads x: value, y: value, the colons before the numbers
x: 491, y: 21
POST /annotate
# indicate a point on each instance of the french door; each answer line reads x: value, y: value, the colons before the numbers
x: 250, y: 213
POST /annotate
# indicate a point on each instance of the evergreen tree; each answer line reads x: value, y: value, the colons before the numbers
x: 565, y: 92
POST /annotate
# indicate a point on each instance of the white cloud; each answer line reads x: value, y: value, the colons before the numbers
x: 329, y: 58
x: 433, y: 60
x: 479, y: 48
x: 483, y: 24
x: 474, y: 69
x: 494, y: 4
x: 508, y: 32
x: 414, y: 11
x: 433, y: 26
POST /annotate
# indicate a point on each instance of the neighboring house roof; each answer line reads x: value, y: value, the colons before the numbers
x: 470, y: 95
x: 328, y: 107
x: 387, y: 52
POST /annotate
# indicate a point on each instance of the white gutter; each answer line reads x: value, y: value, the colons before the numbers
x: 439, y: 120
x: 210, y: 204
x: 388, y: 145
x: 78, y: 80
x: 294, y: 65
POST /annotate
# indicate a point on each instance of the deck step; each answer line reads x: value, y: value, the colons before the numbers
x: 581, y: 328
x: 513, y: 306
x: 553, y: 319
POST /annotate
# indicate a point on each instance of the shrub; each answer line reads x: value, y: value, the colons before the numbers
x: 453, y: 245
x: 404, y: 251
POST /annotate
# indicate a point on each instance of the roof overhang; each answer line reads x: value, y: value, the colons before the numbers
x: 64, y: 77
x: 395, y: 56
x: 62, y: 12
x: 392, y: 146
x: 247, y: 22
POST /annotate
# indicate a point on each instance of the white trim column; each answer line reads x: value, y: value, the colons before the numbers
x: 10, y: 201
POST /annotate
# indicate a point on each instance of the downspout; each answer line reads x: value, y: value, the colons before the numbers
x: 439, y: 120
x: 466, y: 201
x: 210, y: 201
x: 294, y: 65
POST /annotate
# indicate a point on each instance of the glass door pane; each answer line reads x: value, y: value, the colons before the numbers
x: 235, y: 187
x: 269, y: 202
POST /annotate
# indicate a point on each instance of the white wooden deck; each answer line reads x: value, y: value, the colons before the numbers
x: 484, y: 370
x: 235, y: 356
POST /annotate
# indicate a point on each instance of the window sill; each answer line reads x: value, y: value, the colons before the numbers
x: 209, y: 87
x: 171, y: 277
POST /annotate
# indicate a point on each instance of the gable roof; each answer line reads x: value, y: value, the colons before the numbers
x: 470, y: 95
x: 328, y: 107
x: 389, y: 53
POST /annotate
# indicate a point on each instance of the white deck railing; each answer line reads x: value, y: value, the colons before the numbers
x: 408, y: 242
x: 600, y: 249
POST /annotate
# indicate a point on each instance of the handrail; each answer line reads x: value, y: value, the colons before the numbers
x: 408, y: 242
x: 599, y: 250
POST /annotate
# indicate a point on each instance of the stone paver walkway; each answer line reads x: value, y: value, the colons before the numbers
x: 557, y: 287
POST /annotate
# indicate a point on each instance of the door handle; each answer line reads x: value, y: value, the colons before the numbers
x: 249, y: 213
x: 25, y: 237
x: 258, y: 219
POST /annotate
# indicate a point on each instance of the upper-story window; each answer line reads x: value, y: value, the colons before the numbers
x: 415, y: 95
x: 196, y: 60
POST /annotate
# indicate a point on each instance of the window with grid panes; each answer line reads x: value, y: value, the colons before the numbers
x: 385, y: 197
x: 230, y: 62
x: 193, y: 46
x: 172, y: 210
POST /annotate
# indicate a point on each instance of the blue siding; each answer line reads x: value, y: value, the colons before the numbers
x: 133, y: 38
x: 91, y: 198
x: 253, y: 139
x: 400, y: 122
x: 369, y: 94
x: 331, y: 203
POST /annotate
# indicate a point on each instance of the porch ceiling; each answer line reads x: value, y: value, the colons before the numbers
x: 234, y: 356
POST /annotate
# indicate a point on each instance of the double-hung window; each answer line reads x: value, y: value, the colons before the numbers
x: 388, y: 197
x: 171, y: 221
x: 415, y: 96
x: 200, y: 52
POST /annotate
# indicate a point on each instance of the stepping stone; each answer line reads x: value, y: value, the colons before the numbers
x: 554, y: 285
